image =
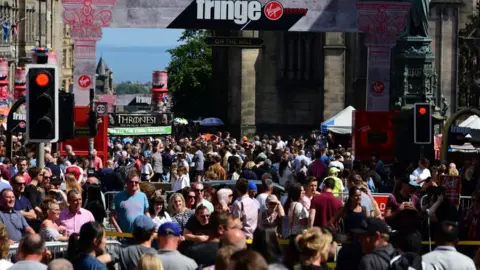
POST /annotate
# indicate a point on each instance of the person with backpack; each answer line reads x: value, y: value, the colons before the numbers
x: 374, y: 235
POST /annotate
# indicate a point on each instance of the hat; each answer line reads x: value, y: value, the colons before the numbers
x: 268, y: 162
x: 272, y: 198
x: 333, y: 170
x: 411, y: 180
x: 244, y: 138
x: 252, y: 185
x: 76, y: 171
x: 143, y: 223
x: 169, y: 228
x: 371, y: 225
x: 261, y: 156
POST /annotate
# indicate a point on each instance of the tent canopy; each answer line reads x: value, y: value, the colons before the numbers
x: 472, y: 122
x: 341, y: 123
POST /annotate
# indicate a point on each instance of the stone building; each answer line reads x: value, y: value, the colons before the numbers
x: 297, y: 80
x: 104, y: 81
x: 30, y: 23
x: 67, y: 58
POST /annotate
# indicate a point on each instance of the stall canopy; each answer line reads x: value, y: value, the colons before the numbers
x: 341, y: 123
x: 472, y: 122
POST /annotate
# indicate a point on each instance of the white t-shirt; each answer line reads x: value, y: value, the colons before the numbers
x: 146, y: 169
x: 262, y: 198
x: 182, y: 182
x: 421, y: 175
x: 160, y: 220
x: 4, y: 264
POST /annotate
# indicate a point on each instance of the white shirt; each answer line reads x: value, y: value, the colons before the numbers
x: 4, y: 264
x: 262, y: 200
x: 447, y: 258
x: 146, y: 169
x: 160, y: 220
x: 421, y: 175
x: 182, y: 182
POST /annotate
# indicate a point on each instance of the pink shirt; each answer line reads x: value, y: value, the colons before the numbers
x: 73, y: 222
x: 98, y: 163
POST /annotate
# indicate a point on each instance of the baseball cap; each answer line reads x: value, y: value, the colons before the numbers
x: 272, y: 198
x: 252, y: 185
x: 371, y: 225
x: 169, y: 228
x: 333, y: 170
x: 143, y: 223
x: 76, y: 171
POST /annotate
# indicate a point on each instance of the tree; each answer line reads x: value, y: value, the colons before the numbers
x: 131, y: 88
x: 190, y: 76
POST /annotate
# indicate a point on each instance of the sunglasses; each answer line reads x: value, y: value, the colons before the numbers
x: 20, y: 184
x: 198, y: 190
x: 205, y: 216
x: 191, y: 197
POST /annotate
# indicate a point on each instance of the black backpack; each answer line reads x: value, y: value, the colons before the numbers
x: 406, y: 261
x: 121, y: 174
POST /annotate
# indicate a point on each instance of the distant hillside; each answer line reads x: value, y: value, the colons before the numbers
x: 131, y: 88
x: 134, y: 64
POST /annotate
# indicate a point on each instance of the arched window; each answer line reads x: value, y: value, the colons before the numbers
x: 298, y: 56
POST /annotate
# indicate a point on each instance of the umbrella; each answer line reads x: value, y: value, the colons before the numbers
x: 211, y: 122
x: 181, y: 121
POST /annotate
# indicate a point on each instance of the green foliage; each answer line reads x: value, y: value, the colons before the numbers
x: 131, y: 88
x: 190, y: 76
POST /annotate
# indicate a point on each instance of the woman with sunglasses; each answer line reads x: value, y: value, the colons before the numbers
x: 158, y: 212
x: 180, y: 213
x: 189, y: 196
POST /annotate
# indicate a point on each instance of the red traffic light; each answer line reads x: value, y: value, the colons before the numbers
x: 42, y: 79
x: 422, y: 110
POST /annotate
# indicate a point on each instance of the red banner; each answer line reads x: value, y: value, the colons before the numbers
x: 381, y: 201
x: 452, y: 186
x: 3, y: 92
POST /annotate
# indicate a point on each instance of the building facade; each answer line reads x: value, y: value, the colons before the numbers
x: 67, y: 58
x: 298, y: 80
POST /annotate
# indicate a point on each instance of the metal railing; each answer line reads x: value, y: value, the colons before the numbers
x: 59, y: 249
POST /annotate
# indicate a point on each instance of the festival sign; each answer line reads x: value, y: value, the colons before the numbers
x: 452, y: 186
x: 20, y: 88
x: 139, y: 120
x: 381, y: 201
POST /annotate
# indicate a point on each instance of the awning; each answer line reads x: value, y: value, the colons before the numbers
x: 472, y: 122
x: 138, y: 131
x: 341, y: 123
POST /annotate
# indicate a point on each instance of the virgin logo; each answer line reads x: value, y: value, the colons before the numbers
x: 84, y: 81
x: 273, y: 10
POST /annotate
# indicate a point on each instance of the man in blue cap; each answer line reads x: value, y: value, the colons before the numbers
x: 252, y: 191
x: 168, y: 240
x: 143, y: 235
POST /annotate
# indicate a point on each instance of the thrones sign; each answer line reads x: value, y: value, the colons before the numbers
x: 139, y: 120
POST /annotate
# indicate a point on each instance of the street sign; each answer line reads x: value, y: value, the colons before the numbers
x: 101, y: 108
x: 84, y: 81
x: 234, y: 42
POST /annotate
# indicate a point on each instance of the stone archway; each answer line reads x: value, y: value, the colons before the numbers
x: 381, y: 20
x: 449, y: 123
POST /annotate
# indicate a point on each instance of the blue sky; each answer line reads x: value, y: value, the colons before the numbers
x: 150, y: 37
x: 133, y: 54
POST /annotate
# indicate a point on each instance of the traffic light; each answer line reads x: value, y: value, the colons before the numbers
x: 92, y: 124
x: 422, y: 123
x: 42, y: 103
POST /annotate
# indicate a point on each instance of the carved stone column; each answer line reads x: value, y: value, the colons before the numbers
x: 86, y: 18
x: 382, y: 22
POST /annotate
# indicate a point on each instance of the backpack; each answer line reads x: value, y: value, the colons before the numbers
x: 121, y: 174
x: 406, y: 261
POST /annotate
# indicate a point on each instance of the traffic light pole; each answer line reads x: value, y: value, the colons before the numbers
x: 41, y: 155
x: 91, y: 140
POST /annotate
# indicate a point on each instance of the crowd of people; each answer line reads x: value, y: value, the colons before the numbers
x: 313, y: 197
